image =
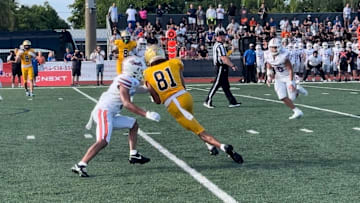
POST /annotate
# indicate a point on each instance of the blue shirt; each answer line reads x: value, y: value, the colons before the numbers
x: 34, y: 65
x: 250, y: 57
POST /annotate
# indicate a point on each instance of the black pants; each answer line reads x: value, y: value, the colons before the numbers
x: 221, y: 80
x: 250, y: 73
x: 318, y: 67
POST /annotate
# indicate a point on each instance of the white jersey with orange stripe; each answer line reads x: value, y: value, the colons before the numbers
x: 111, y: 100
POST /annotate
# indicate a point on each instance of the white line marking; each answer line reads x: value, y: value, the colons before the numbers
x: 324, y: 93
x: 196, y: 175
x: 30, y: 137
x: 30, y: 99
x: 303, y: 105
x: 267, y: 94
x: 356, y: 128
x: 234, y: 88
x: 60, y: 98
x: 331, y: 88
x: 354, y: 93
x: 306, y: 130
x: 88, y: 136
x: 252, y: 131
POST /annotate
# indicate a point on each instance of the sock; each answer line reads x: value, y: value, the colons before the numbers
x: 133, y: 152
x: 209, y: 146
x: 296, y: 110
x: 222, y: 147
x: 81, y: 163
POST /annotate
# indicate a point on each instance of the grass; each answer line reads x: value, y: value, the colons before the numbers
x: 282, y: 163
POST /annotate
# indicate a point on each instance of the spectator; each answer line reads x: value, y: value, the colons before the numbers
x: 41, y: 61
x: 98, y: 57
x: 15, y: 68
x: 233, y: 25
x: 262, y: 12
x: 347, y: 15
x: 35, y: 65
x: 219, y: 28
x: 358, y: 9
x: 211, y: 17
x: 159, y: 13
x: 149, y: 28
x: 314, y: 61
x: 182, y: 53
x: 273, y: 25
x: 152, y: 39
x: 158, y: 28
x: 203, y: 53
x: 191, y: 54
x: 113, y: 15
x: 192, y: 17
x: 231, y: 11
x: 67, y: 55
x: 143, y: 16
x: 51, y: 57
x: 130, y: 29
x: 200, y: 16
x: 252, y: 22
x: 131, y: 16
x: 170, y: 23
x: 249, y: 62
x: 220, y: 15
x: 76, y: 67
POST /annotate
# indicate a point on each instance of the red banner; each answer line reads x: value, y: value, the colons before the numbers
x: 5, y: 78
x: 54, y: 78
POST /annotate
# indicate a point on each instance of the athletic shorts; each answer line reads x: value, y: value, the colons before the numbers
x: 99, y: 68
x: 107, y: 121
x: 186, y: 102
x: 27, y: 73
x: 16, y: 70
x: 343, y: 66
x: 326, y: 68
x: 260, y: 68
x: 192, y: 20
x: 76, y: 71
x: 282, y: 89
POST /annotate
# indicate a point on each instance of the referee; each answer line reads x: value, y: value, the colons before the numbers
x: 222, y: 64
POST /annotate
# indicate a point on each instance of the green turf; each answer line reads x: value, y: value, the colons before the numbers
x: 282, y: 164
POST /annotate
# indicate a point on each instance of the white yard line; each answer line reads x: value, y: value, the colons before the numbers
x: 331, y: 88
x: 306, y: 130
x: 252, y: 131
x: 148, y: 133
x: 354, y: 93
x: 30, y: 137
x: 356, y: 128
x: 280, y: 102
x: 88, y: 136
x: 196, y: 175
x: 324, y: 93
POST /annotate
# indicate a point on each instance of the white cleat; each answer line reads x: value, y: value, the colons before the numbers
x: 297, y: 114
x: 302, y: 90
x: 27, y: 93
x: 12, y: 85
x: 1, y: 98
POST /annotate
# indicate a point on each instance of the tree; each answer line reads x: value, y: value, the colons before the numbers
x: 39, y: 18
x: 7, y: 15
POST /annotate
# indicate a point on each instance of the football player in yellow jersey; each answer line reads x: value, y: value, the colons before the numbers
x: 165, y: 82
x: 26, y: 55
x: 125, y: 46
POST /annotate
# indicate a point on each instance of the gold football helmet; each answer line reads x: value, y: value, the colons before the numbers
x: 154, y: 53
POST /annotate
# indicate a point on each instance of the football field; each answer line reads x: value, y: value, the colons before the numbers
x: 312, y: 159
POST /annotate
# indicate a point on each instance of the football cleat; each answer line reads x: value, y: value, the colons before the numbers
x: 209, y: 106
x: 31, y: 94
x: 234, y: 105
x: 235, y: 156
x: 27, y: 93
x: 214, y: 151
x: 138, y: 159
x: 297, y: 114
x: 81, y: 170
x: 302, y: 90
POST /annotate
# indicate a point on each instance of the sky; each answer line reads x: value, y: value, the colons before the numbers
x: 61, y: 6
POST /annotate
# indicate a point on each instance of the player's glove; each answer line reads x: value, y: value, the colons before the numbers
x: 153, y: 116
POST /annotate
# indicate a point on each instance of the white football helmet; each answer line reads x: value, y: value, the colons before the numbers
x: 258, y: 47
x: 296, y: 46
x: 284, y: 42
x: 309, y: 46
x: 141, y: 43
x: 133, y: 66
x: 325, y: 45
x: 338, y: 44
x: 275, y: 42
x: 316, y: 47
x: 290, y: 46
x: 301, y: 45
x: 348, y: 44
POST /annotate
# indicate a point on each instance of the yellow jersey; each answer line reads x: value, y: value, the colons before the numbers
x: 165, y: 78
x: 26, y: 57
x: 123, y: 48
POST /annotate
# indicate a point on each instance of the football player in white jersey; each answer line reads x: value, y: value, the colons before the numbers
x: 260, y: 65
x: 336, y: 58
x: 140, y: 49
x: 105, y: 113
x: 294, y: 57
x: 308, y: 52
x: 326, y: 56
x: 285, y: 86
x: 302, y: 55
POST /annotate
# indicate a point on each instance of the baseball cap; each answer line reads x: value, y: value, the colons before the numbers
x: 220, y: 33
x: 251, y: 44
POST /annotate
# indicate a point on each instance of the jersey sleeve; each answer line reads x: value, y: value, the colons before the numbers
x: 117, y: 42
x: 178, y: 63
x: 127, y: 82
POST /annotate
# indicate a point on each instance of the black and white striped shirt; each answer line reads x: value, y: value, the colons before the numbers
x: 218, y: 51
